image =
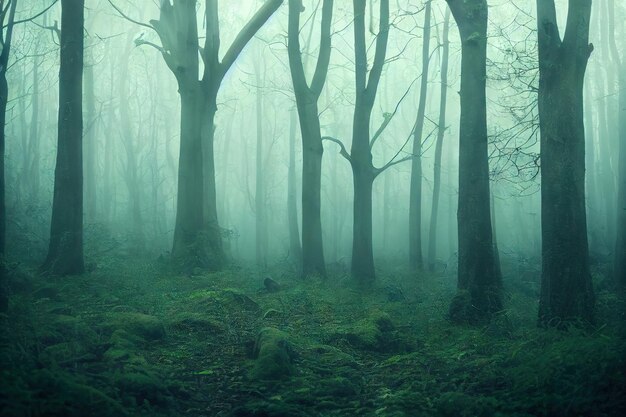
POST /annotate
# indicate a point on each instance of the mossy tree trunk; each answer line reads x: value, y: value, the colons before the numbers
x: 566, y: 290
x: 478, y: 270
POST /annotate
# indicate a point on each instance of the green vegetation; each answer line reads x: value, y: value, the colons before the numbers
x: 134, y: 340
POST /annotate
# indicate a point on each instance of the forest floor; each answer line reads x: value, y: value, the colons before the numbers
x: 131, y: 339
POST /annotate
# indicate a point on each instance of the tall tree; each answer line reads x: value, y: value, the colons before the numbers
x: 65, y: 252
x: 443, y: 102
x: 566, y: 290
x: 307, y: 97
x: 478, y: 275
x: 6, y: 36
x: 415, y: 193
x: 197, y: 235
x: 363, y: 171
x: 295, y: 248
x: 619, y: 271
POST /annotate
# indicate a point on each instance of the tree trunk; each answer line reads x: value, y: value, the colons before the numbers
x: 620, y: 241
x: 477, y: 273
x: 566, y: 290
x: 295, y: 250
x: 65, y: 253
x: 362, y: 250
x: 33, y: 143
x: 415, y: 196
x: 441, y: 131
x: 307, y: 96
x: 90, y: 145
x: 261, y: 238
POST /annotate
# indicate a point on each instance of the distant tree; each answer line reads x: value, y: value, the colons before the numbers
x: 443, y: 101
x: 307, y: 97
x: 566, y: 289
x: 479, y: 283
x: 416, y: 260
x: 197, y: 235
x: 65, y: 252
x: 6, y: 36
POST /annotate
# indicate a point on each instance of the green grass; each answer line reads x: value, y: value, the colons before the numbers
x: 133, y: 339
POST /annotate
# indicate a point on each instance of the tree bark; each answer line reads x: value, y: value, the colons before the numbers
x: 197, y: 235
x: 65, y: 252
x: 478, y: 271
x: 566, y: 290
x: 443, y: 101
x: 416, y: 260
x: 363, y: 171
x: 295, y: 249
x: 307, y: 97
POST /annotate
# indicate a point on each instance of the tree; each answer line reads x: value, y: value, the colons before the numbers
x: 415, y: 194
x: 307, y: 97
x: 5, y: 43
x: 479, y: 283
x: 566, y: 289
x: 443, y: 100
x: 295, y: 248
x: 363, y: 171
x: 65, y: 252
x: 197, y: 235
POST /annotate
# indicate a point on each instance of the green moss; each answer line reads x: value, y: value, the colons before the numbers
x: 142, y: 386
x: 273, y: 355
x: 143, y: 325
x: 197, y: 322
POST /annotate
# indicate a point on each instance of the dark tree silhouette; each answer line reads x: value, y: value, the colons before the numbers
x: 566, y: 290
x: 479, y: 283
x: 65, y: 252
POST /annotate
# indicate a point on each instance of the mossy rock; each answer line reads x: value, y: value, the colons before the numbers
x: 145, y: 326
x: 142, y: 386
x: 459, y: 404
x: 374, y: 333
x: 241, y: 300
x: 197, y: 322
x: 336, y: 387
x: 273, y: 355
x: 60, y: 394
x: 124, y: 348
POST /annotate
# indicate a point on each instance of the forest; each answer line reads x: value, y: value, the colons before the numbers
x: 276, y: 208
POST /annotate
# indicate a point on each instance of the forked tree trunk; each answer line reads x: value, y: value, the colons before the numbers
x: 478, y: 275
x: 307, y: 96
x: 566, y: 289
x: 65, y: 252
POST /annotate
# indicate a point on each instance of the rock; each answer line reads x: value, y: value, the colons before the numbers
x: 375, y: 333
x: 271, y: 285
x: 143, y: 325
x: 197, y: 322
x: 273, y: 355
x: 243, y: 301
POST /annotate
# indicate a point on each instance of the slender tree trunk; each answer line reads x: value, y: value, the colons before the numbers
x: 65, y: 253
x: 620, y: 241
x: 566, y: 290
x: 478, y: 270
x: 415, y: 196
x: 295, y: 250
x: 259, y: 194
x: 33, y: 143
x: 441, y: 131
x: 307, y: 96
x: 90, y: 145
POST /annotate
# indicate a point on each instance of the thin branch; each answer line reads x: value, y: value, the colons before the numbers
x: 378, y: 171
x: 343, y: 150
x: 389, y: 117
x: 30, y: 19
x: 130, y: 19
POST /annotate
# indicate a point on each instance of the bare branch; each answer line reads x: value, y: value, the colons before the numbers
x: 343, y: 150
x: 125, y: 16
